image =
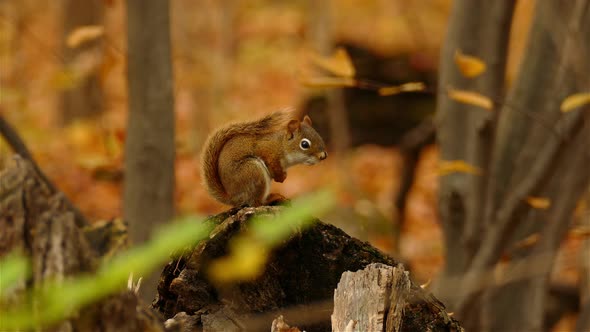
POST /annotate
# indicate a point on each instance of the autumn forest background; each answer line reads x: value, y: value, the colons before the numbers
x: 63, y: 86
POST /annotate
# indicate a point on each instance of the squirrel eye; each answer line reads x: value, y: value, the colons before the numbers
x: 305, y: 144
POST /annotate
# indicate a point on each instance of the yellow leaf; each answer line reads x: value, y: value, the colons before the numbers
x: 84, y: 34
x: 457, y: 166
x: 328, y: 82
x: 406, y: 87
x: 528, y: 241
x: 246, y: 261
x: 581, y: 208
x: 538, y: 202
x: 92, y: 161
x: 65, y: 79
x: 471, y: 98
x: 338, y: 63
x: 581, y: 231
x: 469, y: 65
x: 426, y: 284
x: 574, y: 101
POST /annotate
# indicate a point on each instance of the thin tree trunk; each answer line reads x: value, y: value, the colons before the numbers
x: 85, y: 99
x: 149, y: 150
x: 464, y: 132
x: 584, y: 318
x: 321, y: 41
x: 526, y: 148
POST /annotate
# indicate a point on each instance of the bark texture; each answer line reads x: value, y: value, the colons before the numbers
x: 37, y: 221
x: 525, y: 147
x: 298, y: 281
x: 19, y: 147
x: 382, y: 298
x: 149, y: 149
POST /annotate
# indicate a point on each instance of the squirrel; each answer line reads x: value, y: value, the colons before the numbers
x: 240, y: 160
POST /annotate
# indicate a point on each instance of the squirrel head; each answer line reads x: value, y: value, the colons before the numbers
x: 304, y: 145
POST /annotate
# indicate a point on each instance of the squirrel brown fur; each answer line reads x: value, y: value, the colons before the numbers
x: 240, y: 160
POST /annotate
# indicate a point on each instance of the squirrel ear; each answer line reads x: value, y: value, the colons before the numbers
x: 292, y: 126
x: 307, y: 120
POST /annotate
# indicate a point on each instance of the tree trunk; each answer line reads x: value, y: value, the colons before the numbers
x: 481, y: 29
x: 584, y: 320
x: 149, y: 149
x: 321, y: 41
x: 85, y: 98
x: 524, y: 148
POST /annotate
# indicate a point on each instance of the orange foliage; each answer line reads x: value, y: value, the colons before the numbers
x: 229, y: 73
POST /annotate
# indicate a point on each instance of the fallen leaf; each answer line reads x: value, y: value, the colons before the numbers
x: 574, y: 101
x: 469, y: 66
x: 581, y: 207
x: 328, y: 82
x: 338, y: 63
x: 471, y: 98
x: 406, y: 87
x: 446, y: 167
x: 581, y: 231
x: 528, y: 241
x: 110, y: 61
x: 538, y: 202
x: 65, y: 79
x: 93, y: 161
x: 84, y: 34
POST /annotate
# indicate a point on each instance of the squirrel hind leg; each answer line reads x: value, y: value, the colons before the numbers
x: 276, y: 199
x: 247, y: 184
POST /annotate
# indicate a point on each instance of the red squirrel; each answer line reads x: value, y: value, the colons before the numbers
x: 240, y: 160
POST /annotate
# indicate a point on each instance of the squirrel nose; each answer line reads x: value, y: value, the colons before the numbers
x: 323, y: 155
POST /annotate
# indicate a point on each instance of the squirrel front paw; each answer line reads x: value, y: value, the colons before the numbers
x: 280, y: 177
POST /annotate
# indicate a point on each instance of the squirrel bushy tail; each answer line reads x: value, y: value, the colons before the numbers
x: 217, y: 140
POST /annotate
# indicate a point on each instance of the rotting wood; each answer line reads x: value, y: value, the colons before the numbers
x: 279, y: 325
x: 304, y: 270
x: 382, y: 298
x: 298, y: 281
x: 19, y: 147
x: 363, y: 296
x: 39, y: 223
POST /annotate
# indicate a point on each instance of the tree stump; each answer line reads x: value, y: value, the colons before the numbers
x: 38, y: 221
x: 382, y: 298
x: 298, y: 282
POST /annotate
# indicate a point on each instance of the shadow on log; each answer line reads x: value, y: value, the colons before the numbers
x: 298, y: 282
